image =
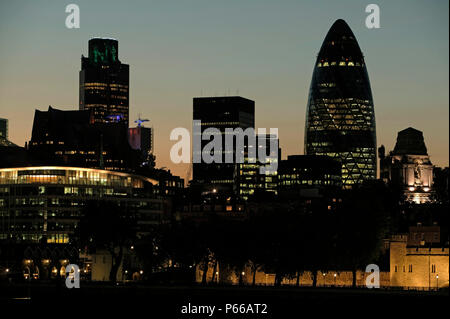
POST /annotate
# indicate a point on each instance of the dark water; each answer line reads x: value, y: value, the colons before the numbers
x: 228, y: 302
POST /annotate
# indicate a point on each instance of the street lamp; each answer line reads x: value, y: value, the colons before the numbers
x: 437, y: 282
x: 324, y: 281
x: 335, y: 279
x: 241, y: 278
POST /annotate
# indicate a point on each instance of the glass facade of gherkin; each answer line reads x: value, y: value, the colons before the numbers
x: 340, y: 119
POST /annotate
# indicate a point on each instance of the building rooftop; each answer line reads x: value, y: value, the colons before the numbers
x: 69, y: 175
x: 410, y: 142
x: 340, y: 42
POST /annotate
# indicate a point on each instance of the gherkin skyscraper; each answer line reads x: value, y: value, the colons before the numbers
x: 340, y: 119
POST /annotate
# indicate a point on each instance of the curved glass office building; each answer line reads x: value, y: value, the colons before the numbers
x: 44, y: 203
x: 340, y: 119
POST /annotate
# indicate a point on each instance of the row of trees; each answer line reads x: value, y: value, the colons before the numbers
x: 285, y: 238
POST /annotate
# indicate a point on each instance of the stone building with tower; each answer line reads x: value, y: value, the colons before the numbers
x: 408, y: 167
x: 419, y: 260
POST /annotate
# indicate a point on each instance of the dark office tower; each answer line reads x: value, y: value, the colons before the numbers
x: 141, y: 138
x: 300, y: 173
x: 340, y: 120
x: 250, y: 180
x: 11, y: 155
x: 104, y: 82
x: 221, y: 112
x: 3, y: 128
x: 71, y: 138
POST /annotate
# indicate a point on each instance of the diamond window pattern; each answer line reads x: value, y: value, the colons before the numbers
x: 340, y: 120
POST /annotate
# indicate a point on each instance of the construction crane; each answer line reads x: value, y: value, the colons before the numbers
x: 139, y: 121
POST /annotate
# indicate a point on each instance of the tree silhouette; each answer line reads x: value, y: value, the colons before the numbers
x: 362, y: 223
x: 106, y: 225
